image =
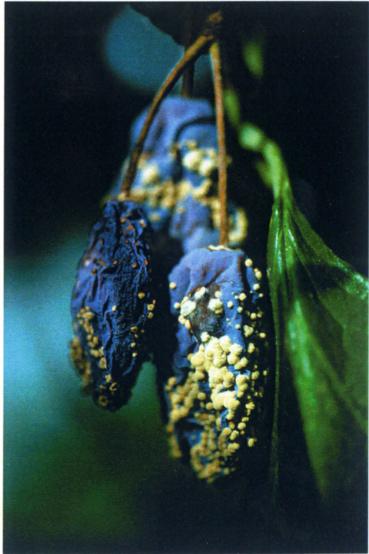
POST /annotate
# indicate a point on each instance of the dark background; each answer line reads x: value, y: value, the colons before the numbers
x: 66, y: 127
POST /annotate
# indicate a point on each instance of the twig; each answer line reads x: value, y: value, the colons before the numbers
x: 191, y: 54
x: 215, y: 55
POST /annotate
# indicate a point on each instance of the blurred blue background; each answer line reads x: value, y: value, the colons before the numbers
x: 143, y: 64
x: 78, y: 479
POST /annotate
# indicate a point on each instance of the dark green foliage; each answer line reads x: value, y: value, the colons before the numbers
x: 320, y: 308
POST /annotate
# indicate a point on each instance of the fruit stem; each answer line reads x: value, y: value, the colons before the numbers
x: 204, y: 40
x: 216, y: 59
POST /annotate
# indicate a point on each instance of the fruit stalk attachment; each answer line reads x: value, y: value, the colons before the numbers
x: 216, y: 60
x: 201, y: 44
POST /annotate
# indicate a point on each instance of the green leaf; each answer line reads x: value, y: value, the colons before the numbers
x: 320, y: 311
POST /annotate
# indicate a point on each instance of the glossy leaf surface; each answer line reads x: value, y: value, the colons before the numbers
x: 320, y: 307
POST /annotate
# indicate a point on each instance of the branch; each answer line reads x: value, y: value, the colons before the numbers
x: 203, y: 42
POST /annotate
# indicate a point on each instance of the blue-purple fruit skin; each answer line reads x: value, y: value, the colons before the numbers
x: 112, y: 304
x: 214, y: 392
x: 176, y: 180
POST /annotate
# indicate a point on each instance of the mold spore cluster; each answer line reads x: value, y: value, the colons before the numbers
x: 112, y: 304
x: 212, y: 368
x: 176, y: 182
x: 215, y: 392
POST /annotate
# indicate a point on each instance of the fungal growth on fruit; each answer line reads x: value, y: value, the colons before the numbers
x: 112, y: 304
x: 259, y: 360
x: 177, y: 175
x: 171, y: 198
x: 215, y: 392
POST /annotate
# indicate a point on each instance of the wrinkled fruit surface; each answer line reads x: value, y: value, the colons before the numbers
x: 176, y: 181
x: 215, y: 392
x: 112, y: 304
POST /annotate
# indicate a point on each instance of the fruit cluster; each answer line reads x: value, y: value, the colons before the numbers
x: 213, y: 372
